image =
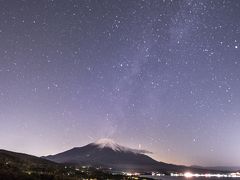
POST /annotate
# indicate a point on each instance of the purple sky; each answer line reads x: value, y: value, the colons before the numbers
x: 160, y: 75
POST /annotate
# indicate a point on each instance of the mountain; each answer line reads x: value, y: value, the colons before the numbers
x: 19, y: 166
x: 108, y: 154
x: 225, y: 168
x: 23, y: 159
x: 220, y: 168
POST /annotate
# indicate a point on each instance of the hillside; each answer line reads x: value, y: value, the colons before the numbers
x: 18, y: 166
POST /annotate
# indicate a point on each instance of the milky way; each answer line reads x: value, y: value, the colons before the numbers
x: 158, y: 75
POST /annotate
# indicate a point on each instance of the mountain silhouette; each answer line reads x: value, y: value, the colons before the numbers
x: 108, y: 154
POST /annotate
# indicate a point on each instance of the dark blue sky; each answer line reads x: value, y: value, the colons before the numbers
x: 158, y: 75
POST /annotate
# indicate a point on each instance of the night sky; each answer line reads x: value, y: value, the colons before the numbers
x: 159, y: 75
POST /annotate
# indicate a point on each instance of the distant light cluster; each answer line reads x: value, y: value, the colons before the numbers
x: 190, y: 175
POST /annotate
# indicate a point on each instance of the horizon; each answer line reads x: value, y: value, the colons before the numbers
x: 162, y: 76
x: 148, y: 153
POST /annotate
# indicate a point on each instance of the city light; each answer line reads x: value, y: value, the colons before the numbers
x: 190, y: 175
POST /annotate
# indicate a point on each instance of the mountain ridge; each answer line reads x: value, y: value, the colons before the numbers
x: 108, y: 154
x: 21, y: 166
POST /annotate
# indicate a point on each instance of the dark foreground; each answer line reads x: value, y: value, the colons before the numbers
x: 17, y: 166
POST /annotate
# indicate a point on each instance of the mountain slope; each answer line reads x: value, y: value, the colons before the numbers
x: 108, y: 154
x: 18, y: 166
x: 9, y: 157
x: 22, y: 166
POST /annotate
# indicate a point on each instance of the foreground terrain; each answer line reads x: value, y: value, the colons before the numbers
x: 26, y: 167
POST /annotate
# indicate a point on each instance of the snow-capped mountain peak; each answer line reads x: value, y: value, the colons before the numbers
x: 105, y: 142
x: 109, y: 143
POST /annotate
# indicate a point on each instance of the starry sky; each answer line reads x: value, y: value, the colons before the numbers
x: 161, y: 75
